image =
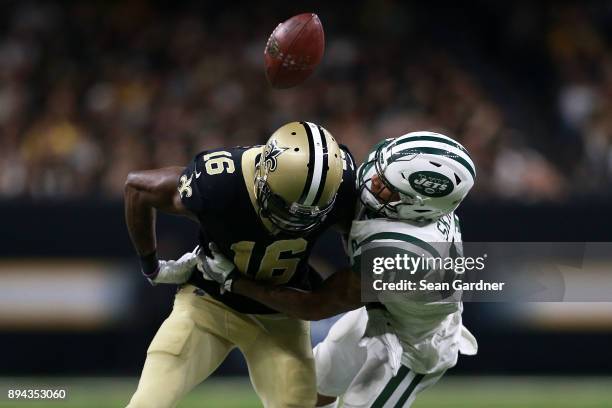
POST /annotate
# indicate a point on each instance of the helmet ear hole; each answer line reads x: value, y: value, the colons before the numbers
x: 457, y: 179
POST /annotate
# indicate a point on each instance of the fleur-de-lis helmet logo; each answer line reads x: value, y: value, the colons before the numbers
x: 271, y: 153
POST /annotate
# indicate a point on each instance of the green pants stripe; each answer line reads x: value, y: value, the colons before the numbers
x: 390, y: 387
x: 417, y: 379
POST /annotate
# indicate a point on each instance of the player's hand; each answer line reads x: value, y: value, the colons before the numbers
x: 217, y: 268
x: 174, y: 272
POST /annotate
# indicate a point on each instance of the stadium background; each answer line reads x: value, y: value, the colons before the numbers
x: 92, y: 90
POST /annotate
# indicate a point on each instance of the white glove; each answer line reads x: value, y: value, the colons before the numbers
x: 176, y: 272
x: 216, y: 268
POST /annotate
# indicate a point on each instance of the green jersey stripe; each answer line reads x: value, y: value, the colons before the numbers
x: 398, y: 236
x: 415, y: 381
x: 390, y: 387
x: 433, y: 150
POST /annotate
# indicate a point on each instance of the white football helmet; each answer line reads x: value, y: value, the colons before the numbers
x: 431, y: 173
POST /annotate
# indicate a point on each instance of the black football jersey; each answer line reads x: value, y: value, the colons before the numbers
x: 218, y: 187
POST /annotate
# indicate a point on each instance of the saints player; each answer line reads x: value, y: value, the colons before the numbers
x: 263, y: 207
x: 384, y: 354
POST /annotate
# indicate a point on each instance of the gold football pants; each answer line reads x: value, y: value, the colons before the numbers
x: 200, y: 332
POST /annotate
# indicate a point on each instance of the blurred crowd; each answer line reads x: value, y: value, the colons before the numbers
x: 581, y: 49
x: 92, y: 90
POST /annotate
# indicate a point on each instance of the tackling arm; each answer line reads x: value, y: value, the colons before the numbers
x: 340, y: 293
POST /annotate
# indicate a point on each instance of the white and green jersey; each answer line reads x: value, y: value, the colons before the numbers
x: 431, y: 333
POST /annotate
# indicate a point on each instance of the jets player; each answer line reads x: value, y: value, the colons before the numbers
x: 263, y: 207
x: 384, y: 354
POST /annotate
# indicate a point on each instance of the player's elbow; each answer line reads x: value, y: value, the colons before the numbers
x: 130, y: 182
x: 134, y: 190
x: 134, y: 182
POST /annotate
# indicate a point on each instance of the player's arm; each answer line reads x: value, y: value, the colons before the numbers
x: 145, y: 193
x: 338, y: 294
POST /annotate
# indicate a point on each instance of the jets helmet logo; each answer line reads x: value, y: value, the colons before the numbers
x: 271, y: 153
x: 430, y: 183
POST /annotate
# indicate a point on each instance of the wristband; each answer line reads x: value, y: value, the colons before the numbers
x: 150, y: 265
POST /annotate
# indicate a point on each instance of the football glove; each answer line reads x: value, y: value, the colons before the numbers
x: 218, y: 268
x: 174, y: 272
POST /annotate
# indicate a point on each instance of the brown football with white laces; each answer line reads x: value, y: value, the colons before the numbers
x: 294, y: 50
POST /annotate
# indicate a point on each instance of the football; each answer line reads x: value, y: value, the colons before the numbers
x: 294, y: 50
